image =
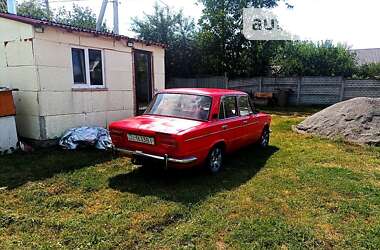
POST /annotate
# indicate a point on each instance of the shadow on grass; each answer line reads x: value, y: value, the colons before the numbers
x: 192, y: 186
x: 20, y: 168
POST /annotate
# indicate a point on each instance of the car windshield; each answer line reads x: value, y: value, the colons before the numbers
x: 187, y: 106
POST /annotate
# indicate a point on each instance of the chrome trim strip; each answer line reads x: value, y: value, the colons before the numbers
x: 221, y: 131
x: 156, y: 157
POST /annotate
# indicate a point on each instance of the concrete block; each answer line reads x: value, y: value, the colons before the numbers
x: 55, y: 79
x: 115, y: 100
x: 58, y: 35
x: 159, y: 64
x: 96, y: 119
x: 128, y: 100
x: 26, y: 103
x: 19, y: 53
x: 57, y: 125
x: 159, y: 81
x: 28, y: 126
x: 157, y: 50
x: 61, y: 103
x: 119, y: 100
x: 12, y: 30
x: 3, y: 61
x: 119, y: 61
x: 119, y: 80
x: 22, y: 77
x: 87, y: 102
x: 52, y: 54
x: 113, y: 116
x: 99, y: 101
x: 89, y: 40
x: 121, y: 45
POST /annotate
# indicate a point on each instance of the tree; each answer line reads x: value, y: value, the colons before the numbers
x: 175, y: 30
x: 35, y: 9
x: 368, y: 71
x: 223, y: 46
x: 79, y: 16
x: 314, y: 59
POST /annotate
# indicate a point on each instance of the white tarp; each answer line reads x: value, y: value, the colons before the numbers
x: 86, y: 136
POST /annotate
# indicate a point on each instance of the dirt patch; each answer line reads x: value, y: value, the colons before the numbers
x: 356, y: 120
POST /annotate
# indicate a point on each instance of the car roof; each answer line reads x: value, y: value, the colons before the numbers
x: 204, y: 91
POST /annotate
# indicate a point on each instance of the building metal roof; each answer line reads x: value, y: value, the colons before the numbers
x: 43, y: 22
x: 366, y: 56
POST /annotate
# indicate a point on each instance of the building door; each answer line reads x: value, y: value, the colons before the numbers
x: 143, y: 80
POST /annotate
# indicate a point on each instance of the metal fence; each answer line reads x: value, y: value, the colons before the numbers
x: 304, y: 90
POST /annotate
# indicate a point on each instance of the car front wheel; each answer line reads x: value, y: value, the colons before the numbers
x: 215, y: 160
x: 264, y: 140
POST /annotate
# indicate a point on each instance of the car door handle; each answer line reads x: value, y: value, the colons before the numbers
x: 245, y: 122
x: 225, y: 127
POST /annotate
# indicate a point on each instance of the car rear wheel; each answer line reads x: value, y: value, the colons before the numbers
x: 264, y: 139
x: 215, y: 160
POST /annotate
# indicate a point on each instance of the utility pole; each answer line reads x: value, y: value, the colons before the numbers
x: 11, y: 7
x: 116, y: 16
x: 47, y: 6
x: 101, y: 15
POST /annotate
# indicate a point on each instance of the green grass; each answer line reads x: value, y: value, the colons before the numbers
x: 301, y: 192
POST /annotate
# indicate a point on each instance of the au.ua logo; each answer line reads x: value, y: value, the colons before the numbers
x: 266, y: 24
x: 263, y: 24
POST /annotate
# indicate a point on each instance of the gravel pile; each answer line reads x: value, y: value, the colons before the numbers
x: 356, y: 120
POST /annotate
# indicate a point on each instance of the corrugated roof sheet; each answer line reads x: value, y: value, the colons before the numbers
x: 40, y: 22
x: 365, y: 56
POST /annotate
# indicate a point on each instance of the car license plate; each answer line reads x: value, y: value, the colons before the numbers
x: 141, y: 139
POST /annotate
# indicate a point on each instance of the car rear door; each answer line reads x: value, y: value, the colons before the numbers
x: 231, y: 122
x: 250, y: 121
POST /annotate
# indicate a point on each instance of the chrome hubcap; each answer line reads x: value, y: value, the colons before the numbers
x: 265, y: 138
x: 216, y: 159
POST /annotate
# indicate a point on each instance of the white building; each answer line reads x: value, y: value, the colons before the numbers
x: 69, y: 76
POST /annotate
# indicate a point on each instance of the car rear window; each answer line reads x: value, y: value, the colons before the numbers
x: 186, y: 106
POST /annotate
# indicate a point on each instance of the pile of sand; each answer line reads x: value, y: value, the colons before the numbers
x: 356, y: 120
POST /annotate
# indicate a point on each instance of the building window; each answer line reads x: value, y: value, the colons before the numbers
x: 79, y: 67
x: 88, y: 68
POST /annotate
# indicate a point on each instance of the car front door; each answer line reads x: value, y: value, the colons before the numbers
x: 250, y: 122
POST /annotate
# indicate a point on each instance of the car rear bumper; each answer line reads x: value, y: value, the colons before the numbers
x: 166, y: 159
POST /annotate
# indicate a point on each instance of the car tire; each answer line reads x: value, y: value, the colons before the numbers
x: 215, y: 160
x: 265, y: 137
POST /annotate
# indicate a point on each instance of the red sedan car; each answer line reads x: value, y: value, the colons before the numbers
x: 184, y: 128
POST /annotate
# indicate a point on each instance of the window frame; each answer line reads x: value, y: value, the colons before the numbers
x: 224, y: 108
x: 249, y: 103
x: 88, y: 84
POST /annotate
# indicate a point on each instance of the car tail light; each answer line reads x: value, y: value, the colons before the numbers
x: 166, y: 139
x: 116, y: 134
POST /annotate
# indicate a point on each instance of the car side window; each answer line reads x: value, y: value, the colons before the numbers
x: 244, y: 106
x: 230, y: 106
x: 221, y: 111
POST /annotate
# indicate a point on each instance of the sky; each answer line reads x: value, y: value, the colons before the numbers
x: 352, y: 22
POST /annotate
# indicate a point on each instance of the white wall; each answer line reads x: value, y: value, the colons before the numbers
x: 63, y: 107
x: 18, y: 70
x: 39, y: 64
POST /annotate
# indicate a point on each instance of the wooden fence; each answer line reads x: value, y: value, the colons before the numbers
x: 304, y: 90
